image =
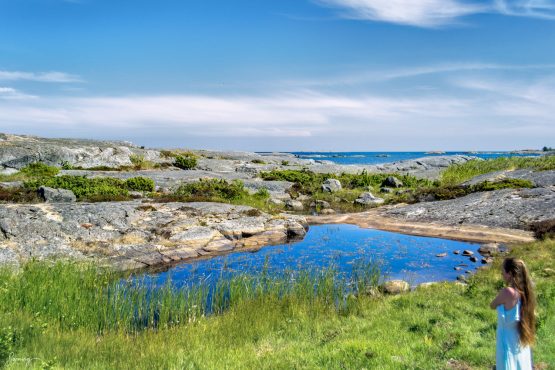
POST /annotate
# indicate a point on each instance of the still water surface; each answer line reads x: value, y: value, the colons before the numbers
x: 400, y: 256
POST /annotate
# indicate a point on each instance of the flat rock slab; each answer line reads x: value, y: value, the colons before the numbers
x: 134, y: 234
x: 538, y: 178
x: 508, y: 208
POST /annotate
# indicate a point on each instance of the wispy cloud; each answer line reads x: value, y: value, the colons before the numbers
x: 381, y: 75
x: 59, y: 77
x: 292, y: 115
x: 527, y: 8
x: 422, y: 13
x: 437, y: 13
x: 11, y: 93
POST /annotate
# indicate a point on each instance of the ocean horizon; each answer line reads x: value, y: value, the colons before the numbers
x: 369, y: 158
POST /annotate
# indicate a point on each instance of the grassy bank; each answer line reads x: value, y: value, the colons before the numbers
x: 51, y: 317
x: 456, y: 174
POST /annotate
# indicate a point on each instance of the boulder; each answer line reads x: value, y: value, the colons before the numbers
x: 367, y: 198
x: 331, y: 185
x: 56, y: 195
x: 385, y: 190
x: 327, y: 211
x: 395, y: 287
x: 467, y: 253
x: 294, y: 205
x: 392, y: 182
x: 489, y: 249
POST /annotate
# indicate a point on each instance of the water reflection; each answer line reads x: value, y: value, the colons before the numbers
x: 399, y: 256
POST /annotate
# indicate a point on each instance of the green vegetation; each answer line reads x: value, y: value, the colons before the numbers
x: 547, y: 149
x: 186, y: 161
x: 32, y: 171
x: 95, y: 189
x: 456, y: 174
x: 219, y: 190
x: 74, y: 316
x: 140, y: 183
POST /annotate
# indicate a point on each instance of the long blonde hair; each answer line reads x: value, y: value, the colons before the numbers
x: 520, y: 280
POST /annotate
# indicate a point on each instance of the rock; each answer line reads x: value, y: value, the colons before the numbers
x: 392, y: 182
x: 487, y: 260
x: 467, y: 252
x: 134, y: 234
x: 458, y: 268
x: 489, y: 249
x: 276, y: 202
x: 220, y: 245
x: 56, y: 195
x: 331, y: 185
x: 294, y: 205
x: 395, y: 287
x: 385, y: 190
x: 456, y: 252
x: 507, y: 208
x: 441, y: 255
x: 473, y: 259
x: 321, y: 204
x: 327, y: 211
x: 8, y: 171
x: 426, y: 285
x: 461, y: 278
x: 367, y: 198
x: 11, y: 184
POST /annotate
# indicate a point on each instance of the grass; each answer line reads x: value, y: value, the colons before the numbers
x: 62, y: 316
x: 456, y: 174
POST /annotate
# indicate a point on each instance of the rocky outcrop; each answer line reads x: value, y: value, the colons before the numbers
x: 331, y: 185
x: 508, y: 208
x: 17, y: 151
x: 130, y: 235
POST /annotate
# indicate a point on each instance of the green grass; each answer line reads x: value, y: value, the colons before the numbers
x: 61, y: 317
x: 456, y: 174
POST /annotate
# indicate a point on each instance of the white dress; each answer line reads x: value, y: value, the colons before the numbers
x: 510, y: 355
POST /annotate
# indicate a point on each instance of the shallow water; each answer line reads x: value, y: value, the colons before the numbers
x: 411, y: 258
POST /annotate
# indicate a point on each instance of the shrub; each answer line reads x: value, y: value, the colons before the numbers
x: 504, y: 184
x: 258, y: 161
x: 100, y: 188
x: 285, y: 163
x: 140, y: 184
x: 302, y: 177
x: 39, y: 170
x: 262, y: 193
x: 167, y: 154
x: 186, y: 161
x: 213, y: 189
x: 543, y: 229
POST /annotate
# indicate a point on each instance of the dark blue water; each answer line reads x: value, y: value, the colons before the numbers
x: 386, y: 157
x: 400, y: 256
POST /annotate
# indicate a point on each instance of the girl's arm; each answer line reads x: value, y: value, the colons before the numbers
x: 502, y: 298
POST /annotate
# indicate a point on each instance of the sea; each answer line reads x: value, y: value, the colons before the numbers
x: 387, y: 157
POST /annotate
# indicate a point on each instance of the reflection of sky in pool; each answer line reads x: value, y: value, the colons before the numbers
x: 407, y: 257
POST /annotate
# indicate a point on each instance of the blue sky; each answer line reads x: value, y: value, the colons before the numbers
x: 364, y: 75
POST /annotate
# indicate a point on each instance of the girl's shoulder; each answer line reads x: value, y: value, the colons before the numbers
x: 510, y: 292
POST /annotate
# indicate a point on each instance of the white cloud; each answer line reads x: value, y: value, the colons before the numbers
x: 39, y: 76
x: 11, y: 93
x: 527, y: 8
x: 422, y: 13
x: 436, y: 13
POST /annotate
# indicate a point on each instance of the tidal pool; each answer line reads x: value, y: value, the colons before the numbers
x: 399, y: 256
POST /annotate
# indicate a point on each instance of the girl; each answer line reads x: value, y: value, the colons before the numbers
x: 516, y: 322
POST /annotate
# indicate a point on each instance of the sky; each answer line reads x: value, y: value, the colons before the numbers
x: 282, y: 75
